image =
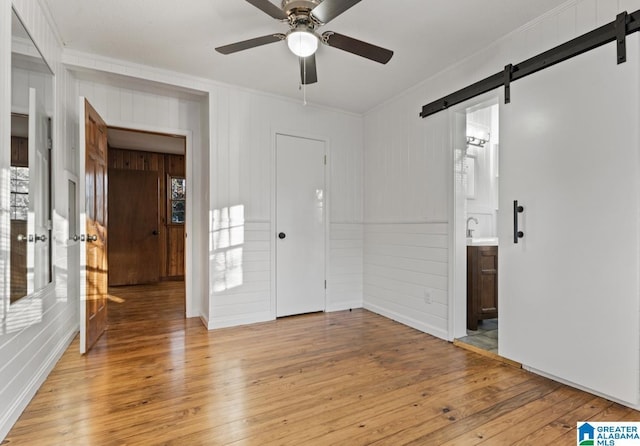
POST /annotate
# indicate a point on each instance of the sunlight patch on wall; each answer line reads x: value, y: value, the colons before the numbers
x: 228, y: 241
x: 23, y: 313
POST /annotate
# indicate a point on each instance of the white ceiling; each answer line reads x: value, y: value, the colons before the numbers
x: 180, y: 35
x: 144, y: 141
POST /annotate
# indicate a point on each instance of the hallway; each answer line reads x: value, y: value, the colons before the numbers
x: 349, y: 377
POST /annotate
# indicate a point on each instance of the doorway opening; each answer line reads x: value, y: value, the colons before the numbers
x: 476, y: 173
x: 147, y: 193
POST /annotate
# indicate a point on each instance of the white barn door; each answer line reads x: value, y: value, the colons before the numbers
x: 569, y: 289
x: 300, y: 225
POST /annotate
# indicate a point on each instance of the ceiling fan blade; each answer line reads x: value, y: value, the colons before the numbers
x: 357, y: 47
x: 308, y: 73
x: 330, y: 9
x: 269, y: 8
x: 251, y: 43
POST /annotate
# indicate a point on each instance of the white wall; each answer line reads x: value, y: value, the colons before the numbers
x: 406, y: 214
x: 28, y: 353
x: 242, y: 195
x: 408, y: 168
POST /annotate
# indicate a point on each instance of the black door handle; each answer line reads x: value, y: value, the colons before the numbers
x: 517, y: 233
x: 155, y: 232
x: 282, y: 235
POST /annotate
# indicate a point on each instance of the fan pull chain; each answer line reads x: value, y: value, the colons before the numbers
x: 304, y: 81
x: 304, y: 94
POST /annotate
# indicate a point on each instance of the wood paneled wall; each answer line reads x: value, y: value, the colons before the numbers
x: 171, y: 235
x: 19, y: 151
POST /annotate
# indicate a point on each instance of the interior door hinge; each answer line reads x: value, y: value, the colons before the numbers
x: 49, y: 144
x: 325, y: 160
x: 325, y: 284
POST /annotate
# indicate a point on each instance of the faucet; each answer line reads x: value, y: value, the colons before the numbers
x: 470, y: 231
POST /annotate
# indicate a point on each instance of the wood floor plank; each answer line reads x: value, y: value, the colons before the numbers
x: 502, y: 427
x: 348, y: 378
x: 560, y: 429
x: 477, y: 413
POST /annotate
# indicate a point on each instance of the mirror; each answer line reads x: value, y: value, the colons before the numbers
x: 30, y: 172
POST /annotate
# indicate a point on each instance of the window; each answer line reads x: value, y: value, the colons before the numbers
x: 177, y: 197
x: 19, y: 193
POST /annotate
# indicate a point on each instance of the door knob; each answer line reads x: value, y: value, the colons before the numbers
x: 41, y: 238
x: 155, y: 232
x: 282, y: 235
x: 21, y: 238
x: 92, y: 238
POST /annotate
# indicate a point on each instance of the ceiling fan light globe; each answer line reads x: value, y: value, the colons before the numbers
x: 302, y: 43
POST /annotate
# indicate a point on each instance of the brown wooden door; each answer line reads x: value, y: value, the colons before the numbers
x: 134, y: 245
x: 96, y: 273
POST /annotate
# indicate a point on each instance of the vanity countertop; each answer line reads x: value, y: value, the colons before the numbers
x: 482, y: 241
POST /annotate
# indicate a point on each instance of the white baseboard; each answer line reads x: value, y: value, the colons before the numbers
x: 342, y: 306
x: 205, y: 320
x: 15, y: 409
x: 413, y: 323
x: 579, y: 387
x: 240, y: 320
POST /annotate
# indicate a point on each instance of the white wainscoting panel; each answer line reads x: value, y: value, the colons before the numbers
x: 240, y: 279
x: 345, y: 266
x: 405, y: 274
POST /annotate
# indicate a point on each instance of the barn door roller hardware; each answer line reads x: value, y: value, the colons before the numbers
x: 621, y: 36
x: 623, y: 25
x: 508, y: 73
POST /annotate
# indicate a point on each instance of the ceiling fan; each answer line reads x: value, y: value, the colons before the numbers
x: 304, y: 17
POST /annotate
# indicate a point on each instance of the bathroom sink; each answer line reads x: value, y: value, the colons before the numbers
x: 482, y: 241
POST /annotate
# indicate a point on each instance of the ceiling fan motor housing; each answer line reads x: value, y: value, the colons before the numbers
x: 299, y: 12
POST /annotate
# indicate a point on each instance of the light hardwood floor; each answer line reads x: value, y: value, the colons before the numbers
x: 346, y: 378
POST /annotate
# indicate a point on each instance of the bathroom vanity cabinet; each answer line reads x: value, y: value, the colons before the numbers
x: 482, y: 284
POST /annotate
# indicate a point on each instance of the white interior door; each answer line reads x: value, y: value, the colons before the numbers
x: 300, y: 223
x: 38, y: 223
x: 569, y: 293
x: 458, y: 310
